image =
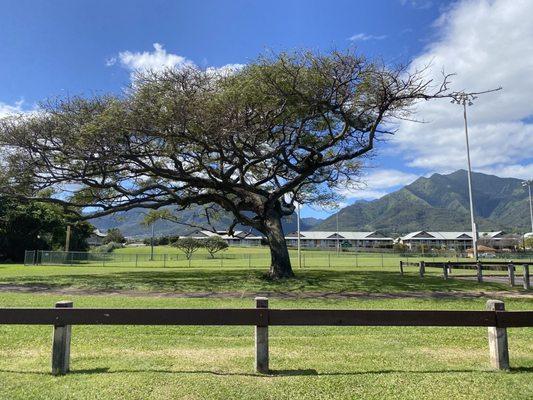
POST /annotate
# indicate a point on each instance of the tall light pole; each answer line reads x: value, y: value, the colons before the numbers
x: 464, y: 99
x: 337, y: 235
x: 299, y: 241
x: 528, y: 183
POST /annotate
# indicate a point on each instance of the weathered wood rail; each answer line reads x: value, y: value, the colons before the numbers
x: 64, y: 316
x: 479, y: 266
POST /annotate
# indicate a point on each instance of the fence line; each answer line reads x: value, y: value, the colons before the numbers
x: 447, y: 266
x: 495, y: 318
x: 310, y: 258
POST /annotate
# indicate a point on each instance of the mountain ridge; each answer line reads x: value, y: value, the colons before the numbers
x: 439, y: 202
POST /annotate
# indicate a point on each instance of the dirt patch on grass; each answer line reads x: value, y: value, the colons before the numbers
x: 14, y: 288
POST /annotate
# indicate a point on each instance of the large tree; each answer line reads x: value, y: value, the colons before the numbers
x: 286, y: 128
x: 37, y: 226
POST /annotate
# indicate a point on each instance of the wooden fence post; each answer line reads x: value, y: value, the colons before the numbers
x: 261, y: 340
x: 479, y: 268
x: 422, y: 268
x: 526, y: 277
x: 61, y: 344
x: 498, y: 346
x: 510, y: 271
x: 401, y: 267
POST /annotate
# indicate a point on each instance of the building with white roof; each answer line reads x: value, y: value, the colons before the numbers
x: 449, y: 240
x: 96, y: 238
x: 239, y: 238
x: 327, y: 239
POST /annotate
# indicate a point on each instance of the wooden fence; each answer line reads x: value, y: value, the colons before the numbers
x: 447, y: 266
x: 64, y: 316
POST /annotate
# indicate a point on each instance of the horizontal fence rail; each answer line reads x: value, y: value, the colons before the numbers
x: 254, y: 316
x: 495, y: 318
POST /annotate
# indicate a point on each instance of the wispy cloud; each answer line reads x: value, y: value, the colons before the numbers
x: 10, y: 109
x: 487, y: 44
x: 377, y: 183
x: 418, y: 4
x: 361, y: 37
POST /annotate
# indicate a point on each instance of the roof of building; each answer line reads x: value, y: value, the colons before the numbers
x: 346, y: 235
x: 441, y: 235
x: 99, y: 233
x: 224, y: 235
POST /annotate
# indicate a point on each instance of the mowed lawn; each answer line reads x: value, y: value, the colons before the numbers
x: 167, y: 362
x: 126, y: 362
x: 239, y: 257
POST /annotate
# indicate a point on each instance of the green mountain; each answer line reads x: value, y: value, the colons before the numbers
x: 130, y: 223
x: 440, y: 202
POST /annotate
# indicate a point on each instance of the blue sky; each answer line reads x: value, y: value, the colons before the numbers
x: 55, y: 48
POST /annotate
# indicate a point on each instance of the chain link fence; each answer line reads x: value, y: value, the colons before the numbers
x: 309, y: 259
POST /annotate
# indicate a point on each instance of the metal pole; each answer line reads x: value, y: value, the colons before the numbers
x: 472, y: 220
x: 152, y: 243
x: 337, y: 235
x: 299, y: 242
x: 528, y: 184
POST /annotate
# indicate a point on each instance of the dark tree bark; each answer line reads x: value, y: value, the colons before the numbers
x: 280, y: 265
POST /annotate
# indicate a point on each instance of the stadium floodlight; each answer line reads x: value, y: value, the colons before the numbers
x: 528, y: 184
x: 464, y: 99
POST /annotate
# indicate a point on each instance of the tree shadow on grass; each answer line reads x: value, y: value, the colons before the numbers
x: 211, y: 282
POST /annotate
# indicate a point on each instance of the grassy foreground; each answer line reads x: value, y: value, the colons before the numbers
x: 141, y: 362
x: 126, y: 362
x: 235, y: 280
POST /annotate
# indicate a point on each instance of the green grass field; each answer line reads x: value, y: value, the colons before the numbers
x: 160, y: 362
x: 234, y: 257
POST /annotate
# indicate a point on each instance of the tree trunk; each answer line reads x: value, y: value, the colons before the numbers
x: 280, y: 266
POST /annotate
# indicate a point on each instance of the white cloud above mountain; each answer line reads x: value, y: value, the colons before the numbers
x: 487, y: 44
x: 376, y: 183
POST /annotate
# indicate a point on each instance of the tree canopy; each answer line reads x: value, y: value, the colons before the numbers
x: 285, y: 128
x: 36, y: 226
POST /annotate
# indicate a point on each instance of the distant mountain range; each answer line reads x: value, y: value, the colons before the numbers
x: 439, y: 202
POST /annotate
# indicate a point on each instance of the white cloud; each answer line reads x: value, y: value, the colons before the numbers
x: 377, y: 183
x: 157, y: 60
x: 510, y: 171
x: 8, y: 109
x: 488, y: 44
x: 361, y: 37
x: 418, y: 4
x: 160, y: 59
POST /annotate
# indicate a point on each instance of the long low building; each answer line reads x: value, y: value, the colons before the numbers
x: 318, y: 239
x: 326, y: 239
x: 449, y: 240
x: 239, y: 238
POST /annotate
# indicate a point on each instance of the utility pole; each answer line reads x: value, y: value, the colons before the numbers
x: 298, y: 216
x: 337, y: 235
x: 528, y: 183
x: 464, y: 99
x: 67, y: 238
x: 152, y: 243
